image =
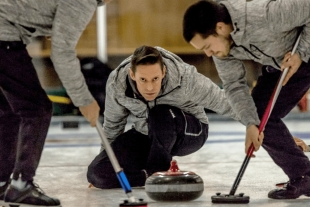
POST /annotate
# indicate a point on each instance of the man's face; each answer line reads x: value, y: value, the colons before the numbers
x: 148, y: 79
x: 214, y: 45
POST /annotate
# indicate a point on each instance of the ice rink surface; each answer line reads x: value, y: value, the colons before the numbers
x: 68, y: 152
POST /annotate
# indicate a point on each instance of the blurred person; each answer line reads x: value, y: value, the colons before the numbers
x: 25, y: 110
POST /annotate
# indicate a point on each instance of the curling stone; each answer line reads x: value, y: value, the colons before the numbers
x: 174, y: 185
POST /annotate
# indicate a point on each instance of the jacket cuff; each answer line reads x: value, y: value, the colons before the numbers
x: 303, y: 56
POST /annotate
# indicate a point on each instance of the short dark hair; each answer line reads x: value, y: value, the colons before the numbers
x: 146, y: 55
x: 201, y: 18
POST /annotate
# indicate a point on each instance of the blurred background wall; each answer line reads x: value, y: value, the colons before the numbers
x: 131, y: 24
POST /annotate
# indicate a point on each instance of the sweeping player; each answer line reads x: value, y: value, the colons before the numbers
x: 165, y: 98
x: 25, y: 110
x: 264, y: 31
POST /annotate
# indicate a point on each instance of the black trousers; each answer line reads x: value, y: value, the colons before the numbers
x: 172, y: 132
x: 25, y: 113
x: 278, y: 141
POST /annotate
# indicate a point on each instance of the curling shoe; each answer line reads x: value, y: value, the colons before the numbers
x: 292, y: 189
x: 31, y: 196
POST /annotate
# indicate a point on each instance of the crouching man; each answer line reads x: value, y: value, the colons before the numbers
x: 165, y: 99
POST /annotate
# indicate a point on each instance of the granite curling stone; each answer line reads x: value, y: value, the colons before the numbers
x: 174, y: 185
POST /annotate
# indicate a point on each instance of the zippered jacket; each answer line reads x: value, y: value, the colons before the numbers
x: 182, y: 87
x: 62, y: 20
x: 264, y: 31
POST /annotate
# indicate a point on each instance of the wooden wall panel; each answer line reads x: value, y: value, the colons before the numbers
x: 150, y: 22
x: 132, y: 23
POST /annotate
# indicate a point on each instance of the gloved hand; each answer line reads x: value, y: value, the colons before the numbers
x: 91, y: 112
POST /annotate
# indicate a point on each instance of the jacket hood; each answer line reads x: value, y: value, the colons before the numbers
x: 237, y: 11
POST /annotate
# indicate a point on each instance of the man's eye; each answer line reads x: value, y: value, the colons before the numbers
x: 155, y: 79
x: 142, y: 79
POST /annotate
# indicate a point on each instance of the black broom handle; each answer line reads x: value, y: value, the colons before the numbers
x: 263, y: 123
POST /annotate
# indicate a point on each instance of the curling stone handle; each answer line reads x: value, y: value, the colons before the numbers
x: 174, y: 166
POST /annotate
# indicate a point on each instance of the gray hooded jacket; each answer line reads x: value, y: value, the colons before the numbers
x: 182, y: 87
x: 264, y: 31
x: 62, y: 20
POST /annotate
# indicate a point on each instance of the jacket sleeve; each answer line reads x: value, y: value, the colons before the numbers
x: 115, y: 115
x: 204, y: 92
x: 287, y: 15
x: 70, y: 21
x: 233, y: 75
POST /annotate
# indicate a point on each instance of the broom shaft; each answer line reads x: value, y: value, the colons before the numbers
x: 118, y: 170
x: 263, y: 123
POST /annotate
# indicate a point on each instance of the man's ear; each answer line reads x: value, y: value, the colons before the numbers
x: 164, y: 71
x: 223, y: 29
x: 132, y: 75
x: 219, y: 28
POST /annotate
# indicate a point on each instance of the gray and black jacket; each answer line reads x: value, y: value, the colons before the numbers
x: 182, y: 87
x: 264, y: 31
x: 62, y: 20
